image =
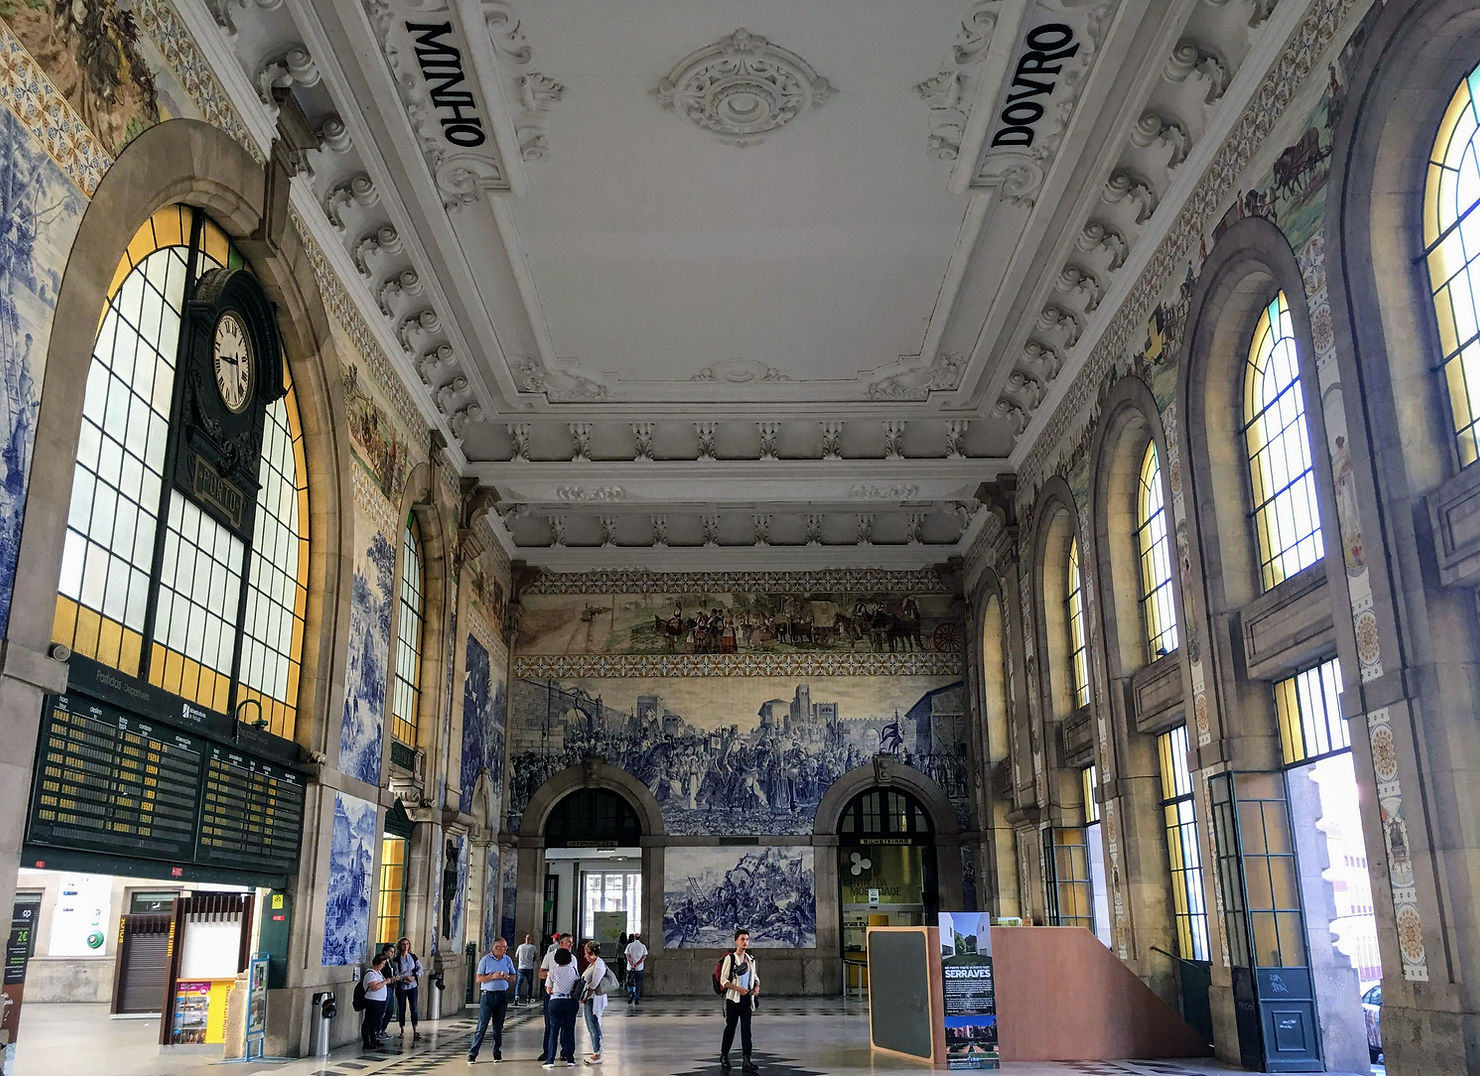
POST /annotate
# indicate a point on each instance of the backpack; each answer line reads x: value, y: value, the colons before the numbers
x: 719, y: 986
x: 357, y: 1000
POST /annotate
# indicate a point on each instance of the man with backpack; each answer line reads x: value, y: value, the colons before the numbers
x: 737, y: 979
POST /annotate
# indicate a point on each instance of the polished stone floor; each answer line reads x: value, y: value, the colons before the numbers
x: 793, y: 1037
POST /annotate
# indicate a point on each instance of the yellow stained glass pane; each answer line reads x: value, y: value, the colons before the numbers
x: 171, y: 226
x: 1431, y: 205
x: 64, y: 622
x: 133, y: 648
x: 110, y: 641
x: 86, y: 637
x: 214, y: 243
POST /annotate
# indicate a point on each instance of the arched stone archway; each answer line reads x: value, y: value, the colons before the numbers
x: 883, y: 772
x: 530, y: 846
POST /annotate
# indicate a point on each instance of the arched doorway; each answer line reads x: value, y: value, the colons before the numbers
x: 593, y: 867
x: 887, y: 870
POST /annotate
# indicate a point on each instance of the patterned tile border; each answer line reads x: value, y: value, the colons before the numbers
x: 835, y: 580
x: 597, y: 666
x: 164, y: 27
x: 1266, y: 107
x: 371, y: 503
x: 44, y: 112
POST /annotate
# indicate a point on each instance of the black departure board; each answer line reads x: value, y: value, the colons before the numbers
x: 252, y: 812
x: 108, y: 781
x: 113, y: 782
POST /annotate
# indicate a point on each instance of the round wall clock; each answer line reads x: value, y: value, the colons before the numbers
x: 231, y: 357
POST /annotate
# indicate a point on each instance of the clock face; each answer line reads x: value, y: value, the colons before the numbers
x: 231, y: 355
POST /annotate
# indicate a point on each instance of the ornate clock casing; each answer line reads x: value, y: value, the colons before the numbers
x: 221, y: 409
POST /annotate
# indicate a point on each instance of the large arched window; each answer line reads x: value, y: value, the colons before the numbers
x: 1078, y: 658
x: 406, y: 696
x: 1451, y: 235
x: 1287, y: 521
x: 1157, y: 608
x: 151, y: 584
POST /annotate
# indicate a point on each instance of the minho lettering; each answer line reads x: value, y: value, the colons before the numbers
x: 441, y: 66
x: 1049, y: 46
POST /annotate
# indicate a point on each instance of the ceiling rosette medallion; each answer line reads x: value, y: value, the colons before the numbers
x: 741, y: 88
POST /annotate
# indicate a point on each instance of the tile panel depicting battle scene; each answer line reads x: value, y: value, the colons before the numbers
x: 737, y: 699
x: 737, y: 754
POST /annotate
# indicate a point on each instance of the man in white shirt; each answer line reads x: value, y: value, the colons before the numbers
x: 524, y: 958
x: 636, y: 954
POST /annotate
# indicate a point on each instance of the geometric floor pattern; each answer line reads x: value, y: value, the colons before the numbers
x: 661, y: 1037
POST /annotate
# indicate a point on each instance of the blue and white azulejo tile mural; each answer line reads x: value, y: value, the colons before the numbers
x: 351, y: 881
x: 708, y: 892
x: 361, y: 728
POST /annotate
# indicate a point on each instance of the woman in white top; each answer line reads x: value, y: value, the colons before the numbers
x: 595, y: 1004
x: 563, y: 984
x: 742, y: 983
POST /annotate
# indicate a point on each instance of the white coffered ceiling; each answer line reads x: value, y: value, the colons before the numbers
x: 659, y: 347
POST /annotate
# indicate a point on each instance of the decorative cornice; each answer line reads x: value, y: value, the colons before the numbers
x: 1266, y: 106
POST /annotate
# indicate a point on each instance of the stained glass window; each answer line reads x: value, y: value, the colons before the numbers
x: 1287, y: 520
x: 1078, y: 658
x: 1451, y: 235
x: 1184, y: 853
x: 1308, y: 705
x: 1157, y: 607
x: 150, y: 584
x: 406, y: 692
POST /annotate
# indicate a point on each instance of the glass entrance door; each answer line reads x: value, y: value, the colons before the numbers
x: 1273, y: 989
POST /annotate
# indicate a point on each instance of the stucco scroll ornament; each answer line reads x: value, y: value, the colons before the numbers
x: 949, y: 91
x: 742, y: 88
x: 462, y: 178
x: 221, y: 11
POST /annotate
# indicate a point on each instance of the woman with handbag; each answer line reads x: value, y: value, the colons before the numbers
x: 742, y: 984
x: 594, y: 1002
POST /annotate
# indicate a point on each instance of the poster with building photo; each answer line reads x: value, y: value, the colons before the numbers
x: 970, y: 990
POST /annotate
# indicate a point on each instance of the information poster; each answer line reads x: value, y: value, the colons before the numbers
x: 970, y: 990
x: 257, y: 1006
x: 18, y: 948
x: 192, y: 1012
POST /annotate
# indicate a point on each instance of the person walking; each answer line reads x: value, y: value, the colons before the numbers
x: 372, y: 1016
x: 622, y: 941
x: 594, y: 1004
x: 563, y: 986
x: 559, y: 942
x: 495, y: 976
x: 407, y: 966
x: 636, y: 954
x: 524, y: 958
x: 742, y: 983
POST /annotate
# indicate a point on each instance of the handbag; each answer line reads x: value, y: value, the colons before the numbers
x: 608, y: 984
